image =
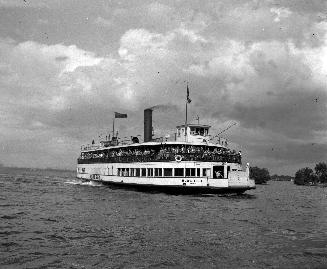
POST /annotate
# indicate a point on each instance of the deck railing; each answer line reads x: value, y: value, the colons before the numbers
x: 166, y: 157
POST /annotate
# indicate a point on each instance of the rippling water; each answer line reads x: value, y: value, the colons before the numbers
x: 51, y: 220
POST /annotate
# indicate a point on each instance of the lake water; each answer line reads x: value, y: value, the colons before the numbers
x: 49, y: 219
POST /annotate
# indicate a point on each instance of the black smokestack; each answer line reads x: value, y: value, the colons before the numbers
x: 148, y: 125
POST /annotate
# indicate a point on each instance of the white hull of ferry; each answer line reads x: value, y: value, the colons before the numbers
x: 233, y: 181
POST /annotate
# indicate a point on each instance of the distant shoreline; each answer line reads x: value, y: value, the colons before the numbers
x: 322, y: 185
x: 2, y: 167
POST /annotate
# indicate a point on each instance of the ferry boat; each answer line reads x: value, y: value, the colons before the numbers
x: 190, y: 163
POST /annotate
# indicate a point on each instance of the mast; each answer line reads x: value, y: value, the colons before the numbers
x: 113, y: 127
x: 188, y: 100
x: 186, y: 121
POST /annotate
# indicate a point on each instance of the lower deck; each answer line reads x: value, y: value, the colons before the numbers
x: 177, y: 189
x: 200, y: 177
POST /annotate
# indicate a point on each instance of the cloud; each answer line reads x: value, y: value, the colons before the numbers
x: 227, y: 59
x: 140, y: 42
x: 302, y: 6
x: 286, y: 93
x: 38, y: 67
x: 268, y: 85
x: 191, y: 34
x: 18, y: 3
x: 103, y: 22
x: 256, y: 64
x: 31, y: 3
x: 280, y: 13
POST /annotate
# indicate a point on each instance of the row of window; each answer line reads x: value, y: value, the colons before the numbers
x: 166, y: 172
x: 193, y: 131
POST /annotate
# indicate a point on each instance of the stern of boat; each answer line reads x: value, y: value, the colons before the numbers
x: 241, y: 179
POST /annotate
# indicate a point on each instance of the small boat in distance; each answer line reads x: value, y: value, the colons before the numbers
x: 188, y: 164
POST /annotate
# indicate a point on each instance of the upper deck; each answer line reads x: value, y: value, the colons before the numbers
x: 160, y: 152
x: 192, y: 142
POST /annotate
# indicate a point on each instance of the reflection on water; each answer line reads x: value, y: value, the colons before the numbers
x: 50, y: 219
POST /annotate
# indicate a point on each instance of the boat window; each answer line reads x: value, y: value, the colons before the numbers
x: 198, y: 170
x: 150, y: 172
x: 204, y: 172
x: 168, y: 172
x: 190, y: 172
x: 179, y: 172
x: 158, y: 172
x: 137, y: 172
x: 218, y: 171
x: 143, y: 172
x: 132, y: 172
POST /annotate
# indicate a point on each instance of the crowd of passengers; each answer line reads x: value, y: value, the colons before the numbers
x: 164, y: 153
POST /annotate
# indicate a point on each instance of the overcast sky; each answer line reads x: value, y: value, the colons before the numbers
x: 67, y: 65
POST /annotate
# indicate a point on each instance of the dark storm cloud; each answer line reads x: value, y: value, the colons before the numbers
x: 297, y: 114
x: 303, y: 6
x: 282, y: 95
x: 292, y: 152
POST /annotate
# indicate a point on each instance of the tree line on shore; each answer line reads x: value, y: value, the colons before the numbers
x: 276, y: 177
x: 306, y: 176
x: 260, y: 175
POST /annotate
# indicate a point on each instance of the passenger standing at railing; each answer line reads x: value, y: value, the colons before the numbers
x: 166, y: 155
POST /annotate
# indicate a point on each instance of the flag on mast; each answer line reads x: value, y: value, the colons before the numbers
x: 188, y: 95
x: 120, y: 115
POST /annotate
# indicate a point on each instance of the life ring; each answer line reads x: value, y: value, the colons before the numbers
x: 178, y: 158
